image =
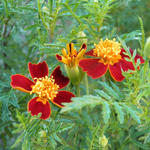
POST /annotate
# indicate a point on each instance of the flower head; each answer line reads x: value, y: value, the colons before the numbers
x: 71, y: 58
x: 46, y: 88
x: 71, y: 61
x: 109, y: 56
x: 108, y: 51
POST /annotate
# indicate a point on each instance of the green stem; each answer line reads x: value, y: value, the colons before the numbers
x: 103, y: 78
x: 94, y: 136
x: 86, y: 84
x: 57, y: 113
x: 41, y: 16
x: 78, y: 89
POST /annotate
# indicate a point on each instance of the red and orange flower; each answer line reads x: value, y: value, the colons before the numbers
x: 71, y: 59
x: 109, y: 56
x: 47, y: 88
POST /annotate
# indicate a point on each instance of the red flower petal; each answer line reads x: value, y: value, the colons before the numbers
x: 21, y: 83
x: 93, y: 68
x: 126, y: 65
x: 38, y: 70
x: 36, y: 107
x: 131, y: 51
x: 58, y: 57
x: 137, y: 57
x: 60, y: 79
x: 90, y: 53
x: 122, y: 53
x: 63, y: 97
x: 83, y: 47
x: 115, y: 71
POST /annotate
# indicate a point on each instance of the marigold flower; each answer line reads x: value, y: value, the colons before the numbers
x: 47, y: 88
x: 71, y: 61
x: 72, y: 58
x: 110, y: 56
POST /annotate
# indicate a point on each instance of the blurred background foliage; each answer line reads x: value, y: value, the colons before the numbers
x: 35, y: 30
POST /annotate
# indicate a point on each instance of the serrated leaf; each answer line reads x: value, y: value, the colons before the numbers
x: 56, y: 137
x: 13, y: 100
x: 5, y: 124
x: 65, y: 127
x: 140, y: 144
x: 117, y: 90
x: 5, y: 111
x: 138, y: 62
x: 79, y: 102
x: 103, y: 94
x: 106, y: 112
x: 109, y: 90
x: 132, y: 113
x: 147, y: 139
x: 53, y: 142
x: 134, y: 54
x: 18, y: 140
x: 120, y: 113
x: 4, y: 84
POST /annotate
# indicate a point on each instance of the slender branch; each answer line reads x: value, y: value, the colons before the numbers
x: 78, y: 90
x: 86, y: 84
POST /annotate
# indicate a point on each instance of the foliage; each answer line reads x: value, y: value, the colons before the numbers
x: 107, y: 115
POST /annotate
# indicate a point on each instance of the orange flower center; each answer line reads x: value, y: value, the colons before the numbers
x: 108, y: 51
x: 73, y: 57
x: 45, y: 88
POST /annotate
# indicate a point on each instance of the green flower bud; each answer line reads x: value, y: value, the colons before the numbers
x: 75, y: 74
x: 147, y: 48
x: 43, y: 134
x: 71, y: 59
x: 103, y: 141
x: 82, y: 35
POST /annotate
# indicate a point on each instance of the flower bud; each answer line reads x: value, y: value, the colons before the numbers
x: 147, y: 48
x: 45, y: 10
x: 82, y: 35
x: 75, y: 74
x: 43, y: 134
x: 103, y: 141
x: 71, y: 59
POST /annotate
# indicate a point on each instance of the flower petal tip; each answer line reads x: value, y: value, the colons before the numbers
x: 21, y: 83
x: 58, y: 57
x: 63, y: 97
x: 84, y: 46
x: 60, y: 79
x: 38, y: 70
x: 36, y: 107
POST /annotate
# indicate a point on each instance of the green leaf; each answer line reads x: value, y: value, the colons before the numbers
x: 18, y: 140
x: 147, y: 139
x: 109, y: 90
x: 13, y: 99
x: 5, y: 111
x: 117, y: 90
x: 134, y: 54
x: 103, y: 94
x: 106, y: 112
x: 120, y: 113
x: 143, y: 34
x: 4, y: 84
x: 79, y: 102
x: 132, y: 113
